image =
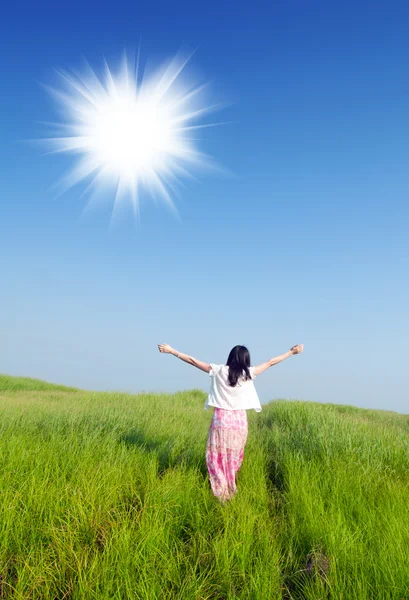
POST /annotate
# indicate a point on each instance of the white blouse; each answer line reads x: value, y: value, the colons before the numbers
x: 222, y: 395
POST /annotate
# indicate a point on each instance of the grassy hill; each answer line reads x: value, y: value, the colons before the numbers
x: 105, y: 496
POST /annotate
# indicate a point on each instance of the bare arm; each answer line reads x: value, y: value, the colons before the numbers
x: 185, y: 357
x: 277, y: 359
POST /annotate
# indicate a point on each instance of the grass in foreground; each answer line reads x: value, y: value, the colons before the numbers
x: 105, y: 496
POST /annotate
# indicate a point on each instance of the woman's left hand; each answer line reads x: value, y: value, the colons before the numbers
x: 165, y: 348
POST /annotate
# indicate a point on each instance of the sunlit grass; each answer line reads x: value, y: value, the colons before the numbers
x: 106, y: 496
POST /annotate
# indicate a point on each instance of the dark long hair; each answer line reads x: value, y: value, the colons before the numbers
x: 238, y: 361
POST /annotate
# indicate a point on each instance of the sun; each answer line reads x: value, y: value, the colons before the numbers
x: 132, y: 134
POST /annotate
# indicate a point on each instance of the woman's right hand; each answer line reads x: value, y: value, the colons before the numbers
x: 165, y: 348
x: 297, y: 349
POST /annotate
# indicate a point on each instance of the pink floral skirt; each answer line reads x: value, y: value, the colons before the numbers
x: 225, y: 450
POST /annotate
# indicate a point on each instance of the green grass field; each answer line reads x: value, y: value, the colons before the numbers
x: 106, y: 496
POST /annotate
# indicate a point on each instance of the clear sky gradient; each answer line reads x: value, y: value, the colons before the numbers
x: 305, y: 242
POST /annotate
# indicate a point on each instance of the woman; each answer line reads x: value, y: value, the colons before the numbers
x: 232, y: 392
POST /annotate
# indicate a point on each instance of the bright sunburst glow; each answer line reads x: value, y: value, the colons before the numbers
x: 133, y: 135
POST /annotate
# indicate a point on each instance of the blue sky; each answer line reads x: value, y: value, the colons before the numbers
x: 306, y: 241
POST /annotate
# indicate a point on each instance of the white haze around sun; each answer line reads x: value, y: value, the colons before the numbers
x: 128, y: 133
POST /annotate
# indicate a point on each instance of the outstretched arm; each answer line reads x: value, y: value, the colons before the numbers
x: 277, y: 359
x: 185, y: 357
